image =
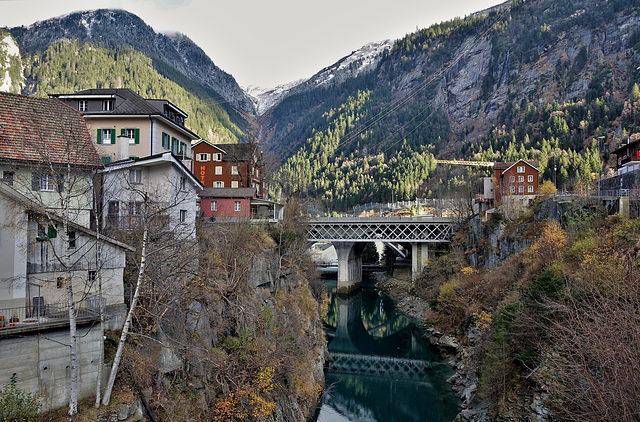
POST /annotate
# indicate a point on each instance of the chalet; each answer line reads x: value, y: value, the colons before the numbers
x: 628, y: 156
x: 151, y: 126
x: 229, y: 166
x: 157, y: 187
x: 519, y: 178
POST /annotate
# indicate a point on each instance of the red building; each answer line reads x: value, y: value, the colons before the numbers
x: 519, y: 178
x: 232, y: 166
x: 226, y: 202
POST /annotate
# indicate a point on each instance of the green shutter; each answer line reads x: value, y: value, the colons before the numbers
x: 106, y: 159
x: 99, y: 137
x: 137, y: 135
x: 35, y: 181
x: 164, y: 140
x: 60, y: 182
x: 51, y: 231
x: 113, y: 136
x: 122, y: 132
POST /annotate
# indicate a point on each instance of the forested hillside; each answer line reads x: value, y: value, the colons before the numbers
x: 538, y: 80
x: 69, y: 66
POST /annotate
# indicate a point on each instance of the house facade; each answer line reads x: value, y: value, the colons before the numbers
x: 151, y: 126
x: 226, y: 203
x: 515, y: 179
x: 159, y: 188
x: 235, y: 166
x: 628, y: 156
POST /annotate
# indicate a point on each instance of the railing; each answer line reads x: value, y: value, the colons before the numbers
x: 438, y: 204
x: 40, y: 313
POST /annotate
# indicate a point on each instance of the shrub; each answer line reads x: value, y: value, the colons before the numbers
x: 16, y: 404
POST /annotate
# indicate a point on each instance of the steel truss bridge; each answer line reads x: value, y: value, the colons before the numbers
x: 394, y: 229
x: 380, y: 366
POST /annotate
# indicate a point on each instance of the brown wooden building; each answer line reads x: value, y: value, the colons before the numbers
x: 519, y: 178
x: 232, y: 166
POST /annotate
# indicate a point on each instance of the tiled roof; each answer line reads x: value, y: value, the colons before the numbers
x: 133, y: 104
x: 44, y: 130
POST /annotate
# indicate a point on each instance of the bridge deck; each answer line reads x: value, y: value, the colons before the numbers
x: 394, y: 229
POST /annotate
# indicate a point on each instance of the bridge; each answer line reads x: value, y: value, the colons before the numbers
x: 349, y: 235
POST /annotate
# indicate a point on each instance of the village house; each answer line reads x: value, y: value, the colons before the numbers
x: 515, y: 179
x: 152, y: 126
x: 159, y: 188
x: 48, y: 163
x: 229, y: 166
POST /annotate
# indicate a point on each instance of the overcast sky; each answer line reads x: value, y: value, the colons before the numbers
x: 266, y: 43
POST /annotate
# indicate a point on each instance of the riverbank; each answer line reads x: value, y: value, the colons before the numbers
x: 461, y: 357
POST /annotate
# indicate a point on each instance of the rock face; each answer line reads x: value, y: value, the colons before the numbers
x: 489, y: 245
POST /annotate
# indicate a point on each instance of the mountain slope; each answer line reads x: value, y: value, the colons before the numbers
x: 519, y: 81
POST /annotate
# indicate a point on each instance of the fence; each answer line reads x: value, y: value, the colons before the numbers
x: 437, y: 204
x: 40, y: 313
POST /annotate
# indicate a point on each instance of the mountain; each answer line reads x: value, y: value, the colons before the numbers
x: 116, y: 28
x: 534, y: 79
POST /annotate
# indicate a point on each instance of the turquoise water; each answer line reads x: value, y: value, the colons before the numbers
x: 382, y: 369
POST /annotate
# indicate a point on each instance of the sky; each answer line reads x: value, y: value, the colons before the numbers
x: 265, y: 43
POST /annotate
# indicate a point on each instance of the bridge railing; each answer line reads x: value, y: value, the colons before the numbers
x: 438, y: 204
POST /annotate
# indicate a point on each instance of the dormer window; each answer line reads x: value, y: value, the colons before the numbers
x: 83, y: 105
x: 107, y: 105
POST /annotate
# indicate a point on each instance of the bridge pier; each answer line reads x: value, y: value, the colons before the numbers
x: 419, y: 258
x: 349, y: 265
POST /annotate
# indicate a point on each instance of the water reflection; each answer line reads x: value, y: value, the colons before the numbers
x: 381, y: 370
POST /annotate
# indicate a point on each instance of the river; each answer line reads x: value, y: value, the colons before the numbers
x: 382, y: 369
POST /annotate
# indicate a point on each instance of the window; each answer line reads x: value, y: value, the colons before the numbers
x: 520, y: 169
x: 183, y: 216
x: 257, y: 174
x: 183, y: 183
x: 512, y: 189
x: 234, y: 170
x: 234, y: 184
x: 216, y: 157
x: 135, y: 176
x: 520, y: 179
x: 203, y: 157
x: 183, y: 148
x: 218, y: 170
x: 214, y: 205
x: 72, y: 240
x: 236, y: 206
x: 107, y: 105
x: 530, y: 178
x: 114, y: 208
x: 46, y: 182
x: 520, y: 189
x: 530, y: 189
x: 135, y: 208
x: 219, y: 184
x: 106, y: 136
x: 512, y: 179
x: 83, y: 105
x: 7, y: 177
x: 92, y: 276
x: 132, y: 133
x: 175, y: 144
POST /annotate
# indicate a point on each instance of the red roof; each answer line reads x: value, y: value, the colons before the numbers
x: 44, y: 130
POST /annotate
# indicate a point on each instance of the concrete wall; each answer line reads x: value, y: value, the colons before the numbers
x: 41, y: 362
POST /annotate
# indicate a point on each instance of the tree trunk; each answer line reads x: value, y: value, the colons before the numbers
x: 127, y: 323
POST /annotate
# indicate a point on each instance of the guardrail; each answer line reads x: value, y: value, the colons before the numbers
x: 40, y: 313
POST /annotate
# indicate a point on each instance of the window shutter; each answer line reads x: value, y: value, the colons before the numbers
x: 60, y: 182
x: 122, y: 132
x: 113, y: 136
x: 99, y: 138
x: 51, y: 231
x: 164, y: 140
x: 137, y: 136
x: 35, y: 181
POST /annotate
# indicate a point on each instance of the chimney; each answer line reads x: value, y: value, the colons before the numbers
x: 123, y: 148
